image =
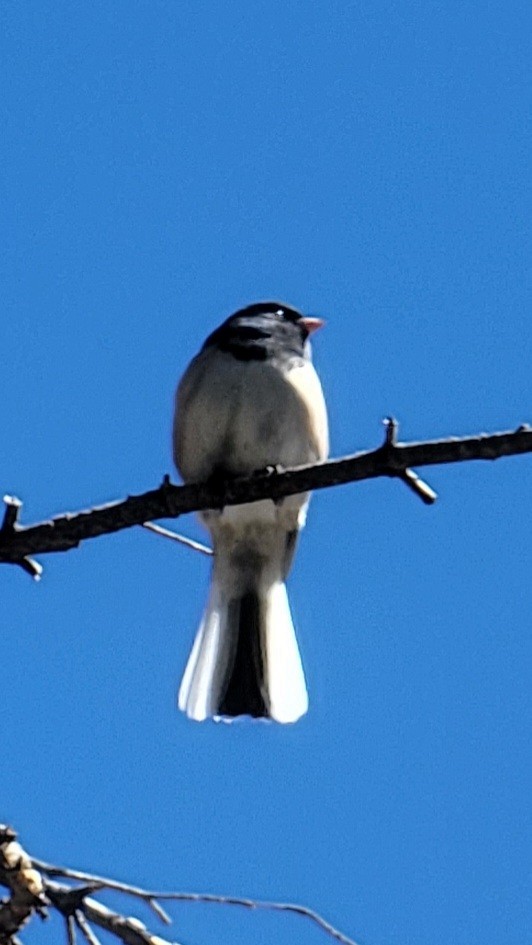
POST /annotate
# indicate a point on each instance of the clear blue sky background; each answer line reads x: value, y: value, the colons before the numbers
x: 164, y: 163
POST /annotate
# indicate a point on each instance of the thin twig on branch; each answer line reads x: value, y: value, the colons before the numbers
x: 181, y: 539
x: 71, y: 929
x: 101, y: 916
x: 84, y: 927
x: 392, y: 459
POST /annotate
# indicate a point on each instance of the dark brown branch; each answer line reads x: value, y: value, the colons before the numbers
x: 392, y: 459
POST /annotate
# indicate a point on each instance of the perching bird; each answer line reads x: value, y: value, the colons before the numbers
x: 249, y: 400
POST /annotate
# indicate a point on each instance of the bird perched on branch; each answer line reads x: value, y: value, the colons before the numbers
x: 249, y: 400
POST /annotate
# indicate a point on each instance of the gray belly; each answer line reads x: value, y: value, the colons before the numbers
x: 240, y: 416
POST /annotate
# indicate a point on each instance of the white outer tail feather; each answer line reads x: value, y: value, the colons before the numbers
x: 285, y: 695
x: 287, y: 690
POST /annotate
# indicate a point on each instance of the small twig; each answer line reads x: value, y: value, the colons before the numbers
x: 391, y: 427
x: 13, y: 506
x: 85, y: 928
x: 159, y: 911
x: 182, y: 539
x: 421, y: 488
x: 408, y: 476
x: 71, y: 929
x: 9, y: 527
x: 31, y: 567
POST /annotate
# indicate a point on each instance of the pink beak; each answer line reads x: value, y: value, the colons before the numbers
x: 311, y: 324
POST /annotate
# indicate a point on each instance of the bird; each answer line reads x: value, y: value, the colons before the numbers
x: 248, y: 401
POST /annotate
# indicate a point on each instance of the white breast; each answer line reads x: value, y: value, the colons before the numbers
x: 241, y: 416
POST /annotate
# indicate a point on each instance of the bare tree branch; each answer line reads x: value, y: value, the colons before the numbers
x: 64, y: 893
x: 392, y: 459
x: 294, y: 908
x: 130, y: 930
x: 77, y: 907
x: 150, y: 897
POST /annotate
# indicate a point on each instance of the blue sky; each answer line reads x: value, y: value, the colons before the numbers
x: 164, y: 163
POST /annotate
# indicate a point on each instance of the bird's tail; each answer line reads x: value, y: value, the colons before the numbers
x: 245, y: 658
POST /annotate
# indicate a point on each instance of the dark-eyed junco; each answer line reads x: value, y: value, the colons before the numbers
x: 250, y: 399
